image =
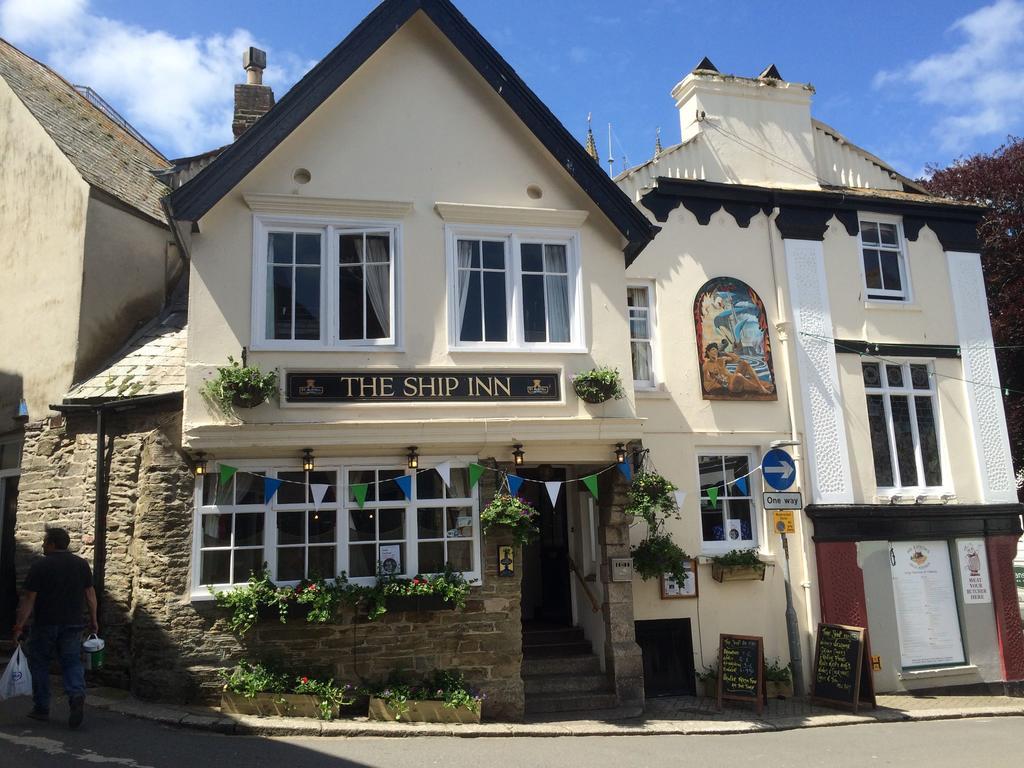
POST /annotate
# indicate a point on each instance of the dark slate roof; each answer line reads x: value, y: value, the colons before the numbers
x: 191, y: 201
x: 107, y: 156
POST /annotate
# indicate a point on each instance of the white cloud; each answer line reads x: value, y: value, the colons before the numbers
x: 578, y: 54
x: 178, y: 91
x: 978, y: 87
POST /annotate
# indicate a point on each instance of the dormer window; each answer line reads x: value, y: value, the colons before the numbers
x: 884, y: 259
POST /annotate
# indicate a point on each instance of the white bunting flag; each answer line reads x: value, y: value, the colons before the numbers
x: 554, y: 487
x: 319, y: 491
x: 680, y: 498
x: 444, y: 469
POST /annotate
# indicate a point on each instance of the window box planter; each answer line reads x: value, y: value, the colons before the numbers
x: 778, y: 690
x: 418, y: 603
x: 709, y: 688
x: 722, y: 573
x: 424, y: 712
x: 272, y: 705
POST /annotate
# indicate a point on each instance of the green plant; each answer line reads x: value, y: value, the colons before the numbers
x: 708, y: 674
x: 329, y: 695
x: 246, y: 603
x: 598, y: 385
x: 321, y: 597
x: 512, y: 513
x: 238, y: 385
x: 658, y: 554
x: 450, y: 688
x: 248, y: 678
x: 651, y: 495
x: 738, y: 557
x: 776, y: 672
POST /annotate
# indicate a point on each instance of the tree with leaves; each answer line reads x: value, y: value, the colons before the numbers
x: 996, y: 180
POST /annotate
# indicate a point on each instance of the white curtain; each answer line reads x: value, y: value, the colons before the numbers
x: 378, y: 279
x: 556, y: 289
x: 465, y: 254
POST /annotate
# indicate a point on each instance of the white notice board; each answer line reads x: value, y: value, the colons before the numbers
x: 973, y: 561
x: 926, y: 614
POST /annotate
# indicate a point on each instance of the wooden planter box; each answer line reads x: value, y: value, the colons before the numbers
x: 419, y: 603
x: 709, y: 688
x: 272, y: 704
x: 721, y: 573
x: 424, y: 712
x: 779, y: 690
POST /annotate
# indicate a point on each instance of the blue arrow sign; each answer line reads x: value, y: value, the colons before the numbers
x: 779, y: 469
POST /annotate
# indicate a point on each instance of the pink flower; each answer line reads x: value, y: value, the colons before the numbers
x: 304, y: 680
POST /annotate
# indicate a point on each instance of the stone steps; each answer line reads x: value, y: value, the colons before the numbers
x: 555, y: 665
x: 556, y: 650
x: 570, y: 702
x: 561, y: 673
x: 565, y: 683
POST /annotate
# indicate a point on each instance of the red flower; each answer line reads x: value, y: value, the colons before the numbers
x: 304, y: 680
x: 415, y: 581
x: 311, y: 587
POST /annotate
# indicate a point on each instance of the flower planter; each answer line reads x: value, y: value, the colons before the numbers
x: 778, y: 690
x: 247, y: 398
x: 424, y: 712
x: 709, y: 688
x: 272, y: 704
x: 721, y: 573
x: 418, y: 603
x: 595, y: 398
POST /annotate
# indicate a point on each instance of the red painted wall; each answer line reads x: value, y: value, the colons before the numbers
x: 1001, y: 551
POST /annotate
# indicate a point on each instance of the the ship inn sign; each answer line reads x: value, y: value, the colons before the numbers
x: 422, y: 386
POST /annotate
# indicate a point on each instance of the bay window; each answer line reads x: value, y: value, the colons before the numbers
x: 514, y: 290
x: 324, y: 286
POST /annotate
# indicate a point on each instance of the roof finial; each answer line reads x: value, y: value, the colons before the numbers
x: 591, y: 143
x: 657, y: 143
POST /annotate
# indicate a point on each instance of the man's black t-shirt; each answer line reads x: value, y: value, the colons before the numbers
x: 59, y: 581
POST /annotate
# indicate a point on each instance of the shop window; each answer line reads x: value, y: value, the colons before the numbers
x: 514, y: 290
x: 885, y: 265
x: 307, y: 533
x: 639, y: 300
x: 728, y: 516
x: 231, y: 529
x: 325, y: 287
x: 903, y: 422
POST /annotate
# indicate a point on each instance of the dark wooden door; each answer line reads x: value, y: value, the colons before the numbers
x: 667, y: 647
x: 552, y: 547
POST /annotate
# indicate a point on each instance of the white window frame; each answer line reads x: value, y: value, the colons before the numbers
x: 652, y: 326
x: 273, y: 467
x: 757, y: 532
x: 908, y: 390
x: 513, y: 238
x: 330, y: 231
x: 875, y: 294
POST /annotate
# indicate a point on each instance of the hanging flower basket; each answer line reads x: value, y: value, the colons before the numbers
x: 598, y: 385
x: 512, y: 514
x: 240, y: 386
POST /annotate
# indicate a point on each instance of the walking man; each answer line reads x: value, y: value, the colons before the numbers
x: 56, y: 591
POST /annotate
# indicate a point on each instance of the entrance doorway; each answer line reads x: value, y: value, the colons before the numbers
x: 667, y: 648
x: 546, y: 591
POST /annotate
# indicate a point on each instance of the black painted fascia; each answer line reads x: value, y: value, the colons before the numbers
x: 900, y: 522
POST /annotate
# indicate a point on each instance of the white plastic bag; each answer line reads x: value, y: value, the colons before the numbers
x: 16, y: 680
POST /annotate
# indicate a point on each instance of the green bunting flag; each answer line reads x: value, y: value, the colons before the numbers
x: 226, y: 473
x: 591, y: 482
x: 359, y: 491
x: 713, y: 496
x: 475, y: 471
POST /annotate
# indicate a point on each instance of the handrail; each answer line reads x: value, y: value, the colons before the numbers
x: 594, y: 605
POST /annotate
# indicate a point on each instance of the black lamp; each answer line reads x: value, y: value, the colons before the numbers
x: 307, y: 460
x: 414, y: 458
x: 518, y: 454
x: 199, y: 464
x: 620, y: 453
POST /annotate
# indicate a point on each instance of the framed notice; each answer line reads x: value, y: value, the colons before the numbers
x: 973, y: 563
x: 926, y: 612
x: 391, y: 558
x: 672, y: 590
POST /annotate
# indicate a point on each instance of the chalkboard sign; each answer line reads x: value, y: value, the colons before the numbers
x: 741, y: 670
x: 842, y: 667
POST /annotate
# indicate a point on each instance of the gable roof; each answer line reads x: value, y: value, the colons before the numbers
x: 106, y: 155
x: 191, y: 201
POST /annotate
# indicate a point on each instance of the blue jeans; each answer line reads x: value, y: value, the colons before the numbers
x: 66, y: 641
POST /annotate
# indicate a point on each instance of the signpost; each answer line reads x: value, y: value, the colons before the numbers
x: 778, y: 469
x: 779, y: 500
x: 841, y: 675
x: 741, y: 670
x: 784, y: 522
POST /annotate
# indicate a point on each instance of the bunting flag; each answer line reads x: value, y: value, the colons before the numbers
x: 713, y: 496
x: 226, y: 473
x: 319, y: 490
x: 270, y: 486
x: 591, y: 482
x: 444, y: 469
x: 514, y: 484
x: 554, y: 487
x: 680, y: 497
x: 627, y: 470
x: 359, y: 491
x: 405, y: 483
x: 741, y: 485
x: 475, y: 471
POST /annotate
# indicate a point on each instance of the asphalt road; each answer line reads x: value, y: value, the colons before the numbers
x: 109, y: 739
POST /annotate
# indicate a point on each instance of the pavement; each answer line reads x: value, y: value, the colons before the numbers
x: 682, y: 715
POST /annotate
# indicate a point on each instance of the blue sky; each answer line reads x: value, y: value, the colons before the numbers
x: 913, y: 83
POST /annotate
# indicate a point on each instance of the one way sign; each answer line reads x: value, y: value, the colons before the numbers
x: 779, y: 469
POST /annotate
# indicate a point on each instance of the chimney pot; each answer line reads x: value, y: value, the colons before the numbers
x: 252, y: 98
x: 254, y: 61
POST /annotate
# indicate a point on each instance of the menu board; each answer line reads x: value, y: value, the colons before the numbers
x: 926, y: 613
x: 841, y: 674
x: 741, y: 669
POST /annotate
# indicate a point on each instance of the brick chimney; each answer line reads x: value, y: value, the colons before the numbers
x: 253, y: 99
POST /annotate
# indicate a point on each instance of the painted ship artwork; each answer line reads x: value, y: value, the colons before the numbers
x: 732, y: 337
